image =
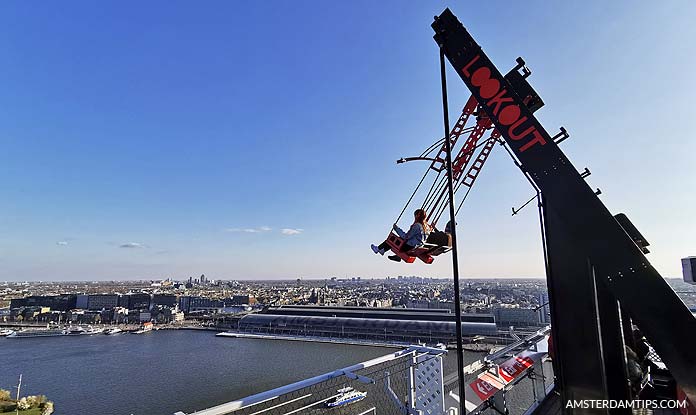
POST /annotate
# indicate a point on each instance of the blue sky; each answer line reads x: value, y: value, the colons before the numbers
x: 141, y: 140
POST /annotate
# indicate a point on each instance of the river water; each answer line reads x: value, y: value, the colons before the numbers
x: 162, y: 372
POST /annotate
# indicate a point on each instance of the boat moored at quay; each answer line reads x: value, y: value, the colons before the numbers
x: 37, y: 333
x: 50, y: 331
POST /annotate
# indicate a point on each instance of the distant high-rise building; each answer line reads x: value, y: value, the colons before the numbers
x: 240, y: 300
x: 82, y: 301
x: 54, y: 302
x: 102, y: 301
x: 168, y: 300
x: 136, y: 301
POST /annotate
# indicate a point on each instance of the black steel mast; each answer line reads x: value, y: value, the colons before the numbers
x: 453, y: 229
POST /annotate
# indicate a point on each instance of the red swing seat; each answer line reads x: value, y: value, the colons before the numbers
x: 425, y: 252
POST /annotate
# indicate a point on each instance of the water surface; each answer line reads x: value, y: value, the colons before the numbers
x: 162, y: 372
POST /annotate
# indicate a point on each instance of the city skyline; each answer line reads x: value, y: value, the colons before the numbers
x: 166, y: 143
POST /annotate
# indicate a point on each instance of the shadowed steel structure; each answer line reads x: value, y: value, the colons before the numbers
x: 598, y: 277
x: 365, y: 328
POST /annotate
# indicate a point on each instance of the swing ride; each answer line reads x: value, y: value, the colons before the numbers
x: 481, y: 136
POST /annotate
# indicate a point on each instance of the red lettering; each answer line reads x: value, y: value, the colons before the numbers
x: 513, y: 127
x: 536, y: 139
x: 481, y: 76
x: 465, y: 69
x: 498, y: 100
x: 489, y: 88
x: 509, y: 114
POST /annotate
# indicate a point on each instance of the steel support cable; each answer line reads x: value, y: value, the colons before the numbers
x: 442, y: 208
x: 441, y: 199
x: 432, y: 147
x: 413, y: 194
x: 459, y: 182
x: 441, y: 205
x: 428, y: 150
x: 437, y: 213
x: 431, y: 192
x: 540, y: 207
x: 539, y: 198
x: 430, y: 201
x: 519, y: 166
x: 437, y: 190
x: 463, y: 199
x: 472, y: 184
x: 540, y: 203
x: 453, y: 137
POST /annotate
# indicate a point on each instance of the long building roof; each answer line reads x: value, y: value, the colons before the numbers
x: 377, y: 313
x: 395, y: 325
x: 352, y: 307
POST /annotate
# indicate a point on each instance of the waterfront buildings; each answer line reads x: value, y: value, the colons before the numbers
x: 513, y: 302
x: 102, y: 301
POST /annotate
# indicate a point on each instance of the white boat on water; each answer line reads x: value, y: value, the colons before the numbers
x: 37, y: 333
x: 112, y: 330
x: 93, y: 330
x: 346, y: 396
x: 6, y: 332
x: 75, y: 331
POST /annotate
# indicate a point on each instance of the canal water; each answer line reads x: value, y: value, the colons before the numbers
x: 164, y: 371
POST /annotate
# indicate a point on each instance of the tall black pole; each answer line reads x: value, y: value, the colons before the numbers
x: 453, y: 230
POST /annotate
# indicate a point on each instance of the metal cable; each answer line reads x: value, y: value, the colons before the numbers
x: 413, y: 194
x: 441, y: 205
x: 432, y: 147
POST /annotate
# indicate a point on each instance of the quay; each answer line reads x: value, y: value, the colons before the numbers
x: 315, y: 339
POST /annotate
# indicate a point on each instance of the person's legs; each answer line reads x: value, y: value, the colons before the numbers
x: 381, y: 249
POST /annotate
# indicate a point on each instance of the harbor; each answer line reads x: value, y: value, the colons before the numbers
x: 56, y: 331
x: 164, y: 371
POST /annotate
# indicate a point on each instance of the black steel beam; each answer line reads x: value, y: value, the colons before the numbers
x: 613, y: 348
x: 577, y: 351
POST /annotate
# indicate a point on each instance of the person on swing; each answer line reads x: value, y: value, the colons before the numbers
x: 414, y: 238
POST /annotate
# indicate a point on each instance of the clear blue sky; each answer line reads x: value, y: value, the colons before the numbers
x: 149, y: 139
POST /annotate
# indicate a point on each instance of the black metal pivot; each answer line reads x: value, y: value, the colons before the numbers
x: 453, y: 227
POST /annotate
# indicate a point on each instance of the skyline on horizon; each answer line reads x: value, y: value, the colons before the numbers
x: 167, y: 143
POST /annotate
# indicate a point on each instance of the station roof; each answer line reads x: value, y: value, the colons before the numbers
x: 352, y: 307
x: 378, y: 313
x: 394, y: 325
